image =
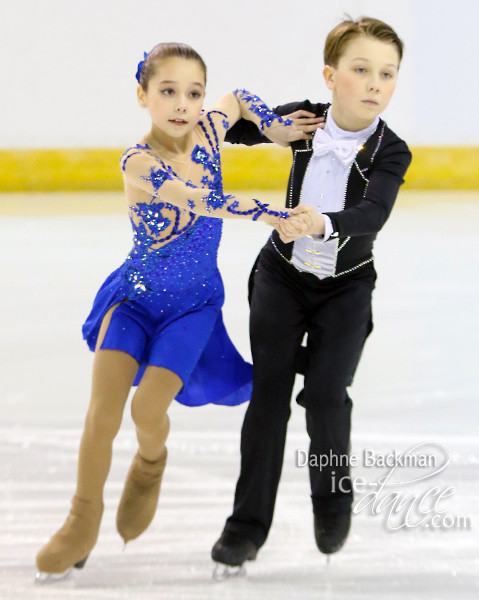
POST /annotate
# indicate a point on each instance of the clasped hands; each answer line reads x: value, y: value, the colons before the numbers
x: 303, y: 220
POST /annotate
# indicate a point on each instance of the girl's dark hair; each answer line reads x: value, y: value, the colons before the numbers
x: 339, y: 38
x: 161, y: 52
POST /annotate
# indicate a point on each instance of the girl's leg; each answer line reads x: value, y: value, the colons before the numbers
x: 113, y: 375
x: 157, y: 389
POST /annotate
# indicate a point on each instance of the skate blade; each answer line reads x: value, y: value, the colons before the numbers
x: 222, y: 572
x: 47, y: 578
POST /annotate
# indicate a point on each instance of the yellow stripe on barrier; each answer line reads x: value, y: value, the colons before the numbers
x: 443, y: 168
x: 260, y: 168
x: 60, y: 170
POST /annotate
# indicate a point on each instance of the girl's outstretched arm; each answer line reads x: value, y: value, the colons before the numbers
x: 143, y: 171
x: 241, y: 104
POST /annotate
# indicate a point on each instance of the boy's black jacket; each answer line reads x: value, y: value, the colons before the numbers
x: 372, y: 187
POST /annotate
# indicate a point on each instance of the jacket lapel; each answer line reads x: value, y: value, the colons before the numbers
x: 359, y: 174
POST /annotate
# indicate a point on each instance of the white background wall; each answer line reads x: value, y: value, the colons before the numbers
x: 67, y: 67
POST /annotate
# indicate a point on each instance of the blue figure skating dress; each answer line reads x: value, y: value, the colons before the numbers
x: 169, y: 292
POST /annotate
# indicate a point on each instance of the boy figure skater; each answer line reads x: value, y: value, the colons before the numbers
x: 316, y: 275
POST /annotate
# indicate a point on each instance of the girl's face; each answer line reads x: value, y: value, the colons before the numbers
x: 363, y: 82
x: 175, y: 96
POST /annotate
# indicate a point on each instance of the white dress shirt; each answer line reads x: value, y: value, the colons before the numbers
x: 324, y: 187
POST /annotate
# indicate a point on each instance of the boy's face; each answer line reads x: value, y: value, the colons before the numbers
x: 363, y: 82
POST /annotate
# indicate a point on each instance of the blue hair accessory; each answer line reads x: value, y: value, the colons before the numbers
x: 140, y: 66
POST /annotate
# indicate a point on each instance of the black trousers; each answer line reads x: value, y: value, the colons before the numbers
x: 336, y: 315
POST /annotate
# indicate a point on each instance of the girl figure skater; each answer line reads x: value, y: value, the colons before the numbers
x: 156, y: 321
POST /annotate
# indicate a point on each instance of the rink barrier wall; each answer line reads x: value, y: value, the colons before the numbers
x: 259, y: 168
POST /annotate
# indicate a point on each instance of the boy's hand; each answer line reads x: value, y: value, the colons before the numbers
x: 304, y: 220
x: 304, y: 124
x: 313, y: 221
x: 291, y: 229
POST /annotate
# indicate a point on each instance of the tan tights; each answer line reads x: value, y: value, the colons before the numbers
x: 113, y: 376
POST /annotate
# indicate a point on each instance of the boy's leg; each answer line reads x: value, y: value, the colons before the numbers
x: 276, y: 330
x: 336, y: 335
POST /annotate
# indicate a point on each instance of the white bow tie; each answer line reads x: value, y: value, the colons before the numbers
x: 345, y: 150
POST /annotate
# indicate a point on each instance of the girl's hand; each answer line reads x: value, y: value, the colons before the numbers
x: 273, y: 220
x: 304, y: 124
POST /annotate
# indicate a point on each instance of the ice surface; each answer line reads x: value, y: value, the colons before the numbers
x: 418, y: 381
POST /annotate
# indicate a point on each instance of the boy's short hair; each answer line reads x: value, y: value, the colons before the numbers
x: 339, y: 37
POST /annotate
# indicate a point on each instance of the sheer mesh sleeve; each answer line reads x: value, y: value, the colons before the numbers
x: 147, y: 173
